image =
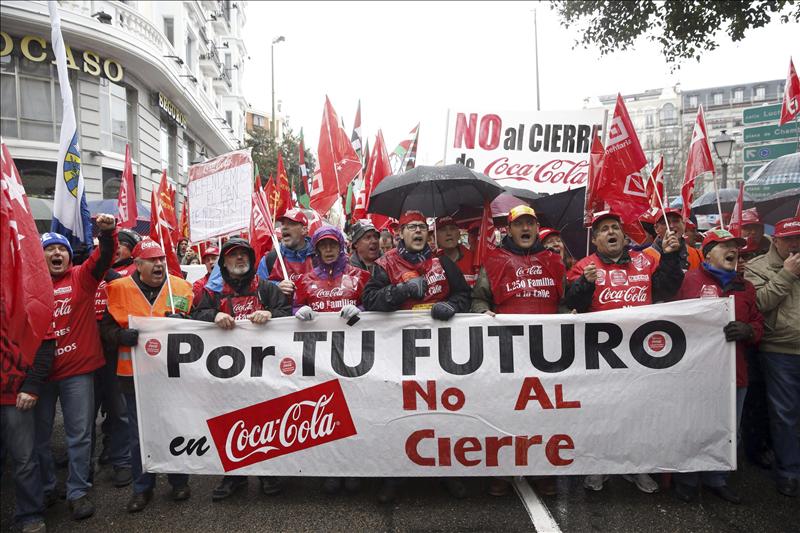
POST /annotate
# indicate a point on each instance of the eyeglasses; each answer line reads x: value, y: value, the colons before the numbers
x: 417, y: 227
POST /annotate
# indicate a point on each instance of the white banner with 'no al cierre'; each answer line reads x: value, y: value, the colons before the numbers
x: 645, y: 389
x: 544, y: 151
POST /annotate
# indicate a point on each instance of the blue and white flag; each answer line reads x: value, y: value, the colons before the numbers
x: 70, y: 212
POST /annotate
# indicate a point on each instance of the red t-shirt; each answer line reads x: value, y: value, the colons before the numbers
x: 78, y: 348
x: 525, y: 284
x: 331, y: 295
x: 619, y: 285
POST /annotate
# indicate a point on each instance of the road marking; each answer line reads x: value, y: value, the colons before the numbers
x: 540, y: 516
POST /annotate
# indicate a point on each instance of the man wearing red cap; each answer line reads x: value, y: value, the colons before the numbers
x: 448, y: 236
x: 717, y: 277
x: 296, y: 251
x: 690, y: 257
x: 78, y: 354
x: 144, y: 293
x: 411, y: 277
x: 614, y: 277
x: 244, y: 296
x: 210, y: 257
x: 776, y: 277
x: 753, y: 228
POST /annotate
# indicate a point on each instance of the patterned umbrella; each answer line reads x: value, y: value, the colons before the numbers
x: 778, y: 175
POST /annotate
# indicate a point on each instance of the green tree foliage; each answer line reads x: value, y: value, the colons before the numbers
x: 265, y: 153
x: 683, y: 28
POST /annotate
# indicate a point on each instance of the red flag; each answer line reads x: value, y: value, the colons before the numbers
x: 791, y: 95
x: 592, y: 204
x: 160, y: 232
x: 127, y: 210
x: 621, y: 184
x: 338, y: 162
x: 479, y: 255
x: 184, y: 227
x: 655, y: 190
x: 259, y: 226
x: 280, y: 198
x: 26, y: 290
x: 257, y: 186
x: 735, y: 224
x: 378, y: 168
x: 698, y: 162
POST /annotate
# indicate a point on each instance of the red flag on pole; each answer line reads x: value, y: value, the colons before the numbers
x: 479, y: 257
x: 259, y: 226
x: 338, y: 162
x: 735, y: 225
x: 161, y: 233
x: 127, y: 210
x: 592, y: 203
x: 699, y: 162
x: 791, y: 96
x: 26, y: 289
x: 185, y: 220
x: 279, y: 195
x: 378, y: 168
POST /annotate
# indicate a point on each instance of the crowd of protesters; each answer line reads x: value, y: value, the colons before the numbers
x: 85, y: 363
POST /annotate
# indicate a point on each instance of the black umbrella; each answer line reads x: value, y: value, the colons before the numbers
x: 707, y: 203
x: 564, y: 211
x: 778, y: 206
x: 435, y: 191
x: 524, y: 194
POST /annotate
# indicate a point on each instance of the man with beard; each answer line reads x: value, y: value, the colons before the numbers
x: 411, y: 277
x: 78, y: 354
x: 520, y: 276
x: 145, y: 293
x: 448, y: 236
x: 776, y: 277
x: 295, y: 249
x: 365, y: 243
x: 612, y: 278
x: 210, y: 257
x: 717, y: 277
x: 689, y: 256
x: 244, y: 296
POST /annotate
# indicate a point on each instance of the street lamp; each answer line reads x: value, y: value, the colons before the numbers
x: 723, y: 146
x: 275, y: 41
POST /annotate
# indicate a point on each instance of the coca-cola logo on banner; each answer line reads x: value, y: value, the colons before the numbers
x: 618, y: 278
x: 297, y: 421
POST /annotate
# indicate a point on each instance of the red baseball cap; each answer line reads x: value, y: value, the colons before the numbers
x: 521, y: 211
x: 148, y: 249
x: 211, y: 250
x: 445, y: 221
x: 295, y: 215
x: 412, y: 216
x: 600, y: 215
x: 750, y: 216
x: 669, y: 211
x: 788, y: 227
x: 546, y: 232
x: 721, y: 235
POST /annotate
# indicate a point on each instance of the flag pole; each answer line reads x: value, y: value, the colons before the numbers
x: 719, y: 204
x: 663, y: 211
x: 275, y: 244
x: 169, y: 283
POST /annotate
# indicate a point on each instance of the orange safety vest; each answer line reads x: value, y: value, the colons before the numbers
x: 694, y: 257
x: 126, y: 299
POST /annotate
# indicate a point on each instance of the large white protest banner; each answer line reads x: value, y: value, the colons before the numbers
x: 644, y: 389
x: 219, y: 195
x: 544, y: 151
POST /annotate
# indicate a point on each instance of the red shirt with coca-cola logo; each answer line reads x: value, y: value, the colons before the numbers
x: 622, y: 284
x: 332, y: 294
x: 530, y: 283
x: 700, y: 283
x: 294, y: 269
x: 399, y: 271
x: 78, y: 348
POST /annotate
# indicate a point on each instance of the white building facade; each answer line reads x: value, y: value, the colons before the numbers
x: 163, y: 77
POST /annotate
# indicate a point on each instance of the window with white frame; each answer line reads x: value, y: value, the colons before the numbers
x: 114, y: 108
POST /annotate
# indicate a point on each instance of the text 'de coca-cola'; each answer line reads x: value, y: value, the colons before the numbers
x: 290, y: 423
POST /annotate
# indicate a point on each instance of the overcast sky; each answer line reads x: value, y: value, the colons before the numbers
x: 410, y: 62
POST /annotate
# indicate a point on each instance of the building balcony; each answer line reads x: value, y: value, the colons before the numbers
x: 223, y: 83
x: 210, y: 63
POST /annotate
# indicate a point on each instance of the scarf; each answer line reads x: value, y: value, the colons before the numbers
x: 725, y: 277
x: 414, y: 257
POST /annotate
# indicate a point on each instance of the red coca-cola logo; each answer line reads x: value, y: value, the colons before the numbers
x: 62, y: 308
x: 152, y: 347
x: 297, y: 421
x: 244, y: 309
x: 330, y: 293
x: 556, y: 171
x: 288, y: 366
x: 533, y: 270
x: 630, y: 295
x: 657, y: 342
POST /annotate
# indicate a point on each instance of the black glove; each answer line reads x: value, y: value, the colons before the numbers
x: 414, y: 288
x: 128, y: 337
x: 442, y: 311
x: 737, y: 331
x: 176, y: 315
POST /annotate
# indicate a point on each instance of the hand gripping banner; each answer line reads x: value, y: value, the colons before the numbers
x: 645, y: 389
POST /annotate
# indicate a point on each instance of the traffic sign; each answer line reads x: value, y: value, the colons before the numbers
x: 749, y: 170
x: 763, y: 113
x: 769, y: 151
x: 770, y: 132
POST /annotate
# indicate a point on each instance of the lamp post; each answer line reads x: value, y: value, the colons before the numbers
x: 275, y: 41
x: 723, y: 146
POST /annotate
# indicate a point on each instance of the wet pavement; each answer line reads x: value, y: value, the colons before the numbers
x: 423, y: 505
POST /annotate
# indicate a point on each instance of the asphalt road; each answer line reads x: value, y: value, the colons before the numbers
x: 423, y: 506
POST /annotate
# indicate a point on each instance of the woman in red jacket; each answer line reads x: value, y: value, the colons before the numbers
x: 717, y: 277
